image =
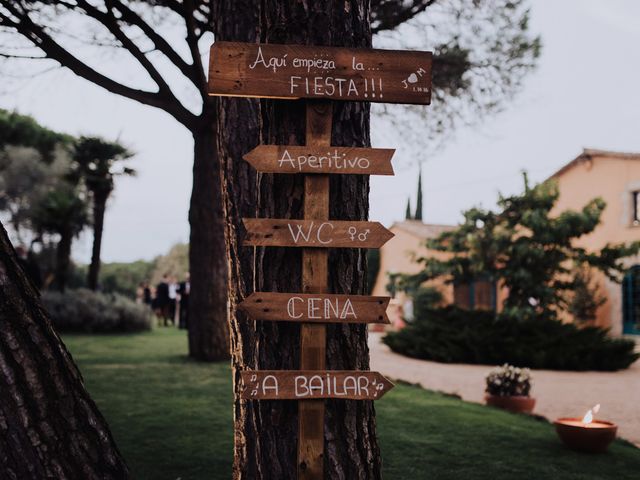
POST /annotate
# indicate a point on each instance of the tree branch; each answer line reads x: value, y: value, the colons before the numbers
x: 36, y: 34
x: 159, y: 42
x: 192, y: 41
x: 389, y: 14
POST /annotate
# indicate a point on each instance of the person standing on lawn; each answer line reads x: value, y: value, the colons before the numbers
x: 183, y: 290
x: 162, y: 299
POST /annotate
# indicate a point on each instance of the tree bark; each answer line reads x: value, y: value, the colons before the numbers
x: 63, y: 258
x: 266, y: 431
x: 99, y: 207
x: 49, y: 426
x: 208, y: 319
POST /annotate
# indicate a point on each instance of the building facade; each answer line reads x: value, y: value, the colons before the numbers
x: 613, y: 176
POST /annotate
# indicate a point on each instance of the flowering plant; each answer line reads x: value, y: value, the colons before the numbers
x: 507, y: 381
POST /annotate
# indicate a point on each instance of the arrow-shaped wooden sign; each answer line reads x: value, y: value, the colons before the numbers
x: 344, y: 160
x: 332, y: 73
x: 267, y: 232
x: 312, y: 308
x: 313, y: 384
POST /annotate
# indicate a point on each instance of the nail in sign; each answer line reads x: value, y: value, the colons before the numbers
x: 266, y: 232
x: 313, y: 384
x: 296, y: 71
x: 319, y: 308
x: 340, y: 160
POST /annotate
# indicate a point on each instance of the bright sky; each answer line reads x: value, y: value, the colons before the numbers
x: 584, y: 94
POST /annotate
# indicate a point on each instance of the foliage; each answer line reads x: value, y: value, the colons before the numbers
x: 24, y: 131
x: 418, y: 214
x: 32, y: 161
x: 23, y: 184
x: 116, y: 277
x: 483, y: 51
x: 156, y: 400
x: 453, y: 335
x: 508, y: 381
x: 86, y: 311
x: 63, y: 210
x: 525, y: 248
x: 124, y: 278
x: 407, y: 212
x: 585, y: 298
x: 175, y: 263
x: 94, y: 160
x: 373, y: 267
x: 424, y: 299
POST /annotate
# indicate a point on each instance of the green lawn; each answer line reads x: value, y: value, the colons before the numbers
x: 172, y: 419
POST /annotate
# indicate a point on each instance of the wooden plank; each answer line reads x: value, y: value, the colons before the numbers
x: 297, y: 71
x: 313, y: 384
x: 267, y: 232
x: 317, y: 308
x: 315, y: 278
x: 307, y: 159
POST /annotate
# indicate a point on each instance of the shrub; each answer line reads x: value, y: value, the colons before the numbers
x: 507, y: 381
x: 82, y: 310
x: 452, y: 335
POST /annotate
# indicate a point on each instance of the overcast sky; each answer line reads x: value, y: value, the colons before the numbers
x: 583, y: 94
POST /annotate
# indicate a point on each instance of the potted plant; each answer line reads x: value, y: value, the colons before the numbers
x: 508, y: 388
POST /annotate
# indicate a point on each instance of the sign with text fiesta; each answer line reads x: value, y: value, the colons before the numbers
x: 297, y: 71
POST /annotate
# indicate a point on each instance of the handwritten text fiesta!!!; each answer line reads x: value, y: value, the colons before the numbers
x: 328, y: 85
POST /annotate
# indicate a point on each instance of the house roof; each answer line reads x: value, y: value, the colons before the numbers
x: 422, y: 230
x: 588, y: 154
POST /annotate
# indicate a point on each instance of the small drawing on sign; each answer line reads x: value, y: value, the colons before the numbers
x: 413, y: 78
x: 362, y: 236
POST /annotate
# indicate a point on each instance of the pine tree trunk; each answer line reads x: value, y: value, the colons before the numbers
x: 208, y: 322
x: 99, y: 207
x: 63, y: 259
x: 49, y: 426
x: 266, y: 431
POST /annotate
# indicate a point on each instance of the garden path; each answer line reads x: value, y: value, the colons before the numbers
x: 558, y: 394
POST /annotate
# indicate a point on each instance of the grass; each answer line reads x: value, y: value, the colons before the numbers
x: 172, y: 419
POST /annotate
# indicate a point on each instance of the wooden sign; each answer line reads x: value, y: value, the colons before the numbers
x: 313, y: 384
x: 267, y: 232
x: 343, y: 160
x: 296, y: 71
x: 314, y: 308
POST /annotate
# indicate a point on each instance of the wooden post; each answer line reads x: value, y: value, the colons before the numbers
x: 315, y: 276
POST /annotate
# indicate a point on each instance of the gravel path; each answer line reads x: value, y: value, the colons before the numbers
x: 558, y: 394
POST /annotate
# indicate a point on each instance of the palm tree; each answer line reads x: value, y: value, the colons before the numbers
x: 63, y: 211
x: 95, y: 162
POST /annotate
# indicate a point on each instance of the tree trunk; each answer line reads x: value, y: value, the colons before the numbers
x: 266, y: 431
x: 208, y: 327
x: 99, y: 207
x: 49, y: 426
x: 63, y: 259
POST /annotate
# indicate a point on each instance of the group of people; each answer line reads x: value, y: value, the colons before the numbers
x: 169, y: 300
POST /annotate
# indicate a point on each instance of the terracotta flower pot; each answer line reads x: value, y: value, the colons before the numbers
x: 516, y: 403
x: 593, y: 438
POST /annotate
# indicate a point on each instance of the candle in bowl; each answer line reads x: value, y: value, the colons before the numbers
x: 586, y: 434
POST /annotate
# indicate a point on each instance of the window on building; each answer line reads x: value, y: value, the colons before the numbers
x: 475, y: 295
x: 635, y: 196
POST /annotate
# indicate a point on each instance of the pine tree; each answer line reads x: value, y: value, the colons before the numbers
x: 418, y: 215
x: 407, y: 215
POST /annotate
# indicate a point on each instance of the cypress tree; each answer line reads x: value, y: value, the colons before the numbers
x: 418, y: 215
x: 407, y: 215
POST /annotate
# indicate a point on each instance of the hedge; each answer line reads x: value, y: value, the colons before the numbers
x: 82, y: 310
x: 453, y: 335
